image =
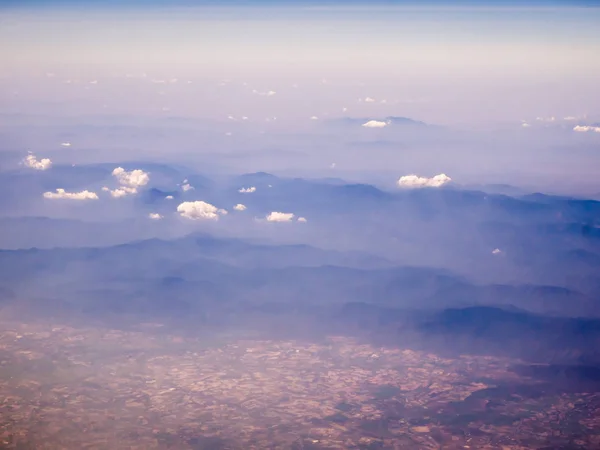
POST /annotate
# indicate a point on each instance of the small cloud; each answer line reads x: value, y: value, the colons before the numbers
x: 525, y: 125
x: 374, y: 124
x: 169, y: 197
x: 186, y: 187
x: 586, y: 129
x: 302, y: 219
x: 414, y: 181
x: 314, y: 118
x: 247, y: 190
x: 570, y: 118
x: 344, y: 109
x: 244, y: 118
x: 32, y: 162
x: 369, y: 100
x: 229, y: 133
x: 266, y: 94
x: 199, y: 210
x: 62, y: 194
x: 545, y: 119
x: 332, y: 166
x: 105, y: 188
x: 383, y: 101
x: 134, y: 178
x: 154, y: 216
x: 279, y: 217
x: 122, y: 191
x: 65, y: 144
x: 496, y: 251
x: 239, y: 207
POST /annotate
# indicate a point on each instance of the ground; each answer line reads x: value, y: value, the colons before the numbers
x: 69, y: 387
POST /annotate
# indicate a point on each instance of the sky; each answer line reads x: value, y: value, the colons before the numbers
x: 469, y: 66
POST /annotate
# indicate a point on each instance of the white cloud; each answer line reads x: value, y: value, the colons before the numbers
x: 134, y: 178
x: 239, y: 207
x: 267, y: 93
x: 247, y: 190
x: 199, y: 210
x: 169, y: 197
x: 570, y: 118
x: 369, y: 100
x: 280, y: 217
x: 129, y: 181
x: 32, y: 162
x: 62, y: 194
x: 525, y: 125
x: 65, y: 144
x: 187, y: 187
x: 411, y: 181
x: 374, y: 124
x: 155, y: 216
x: 122, y: 191
x: 302, y: 219
x: 586, y: 128
x: 314, y: 118
x: 545, y: 119
x: 496, y: 251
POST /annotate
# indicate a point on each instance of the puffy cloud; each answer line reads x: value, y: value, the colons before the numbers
x: 280, y: 217
x: 586, y: 128
x: 412, y: 181
x: 239, y: 207
x: 314, y: 118
x: 199, y: 210
x: 122, y: 191
x: 369, y: 100
x: 374, y: 124
x: 169, y: 197
x: 155, y: 216
x: 496, y: 251
x: 525, y: 125
x: 134, y: 178
x: 62, y: 194
x: 41, y: 164
x: 187, y: 187
x: 129, y: 181
x: 247, y: 190
x: 65, y: 144
x: 302, y: 219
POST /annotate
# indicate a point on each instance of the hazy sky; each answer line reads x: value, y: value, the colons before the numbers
x: 485, y: 59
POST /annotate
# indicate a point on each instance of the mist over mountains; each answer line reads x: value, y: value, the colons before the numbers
x: 428, y: 265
